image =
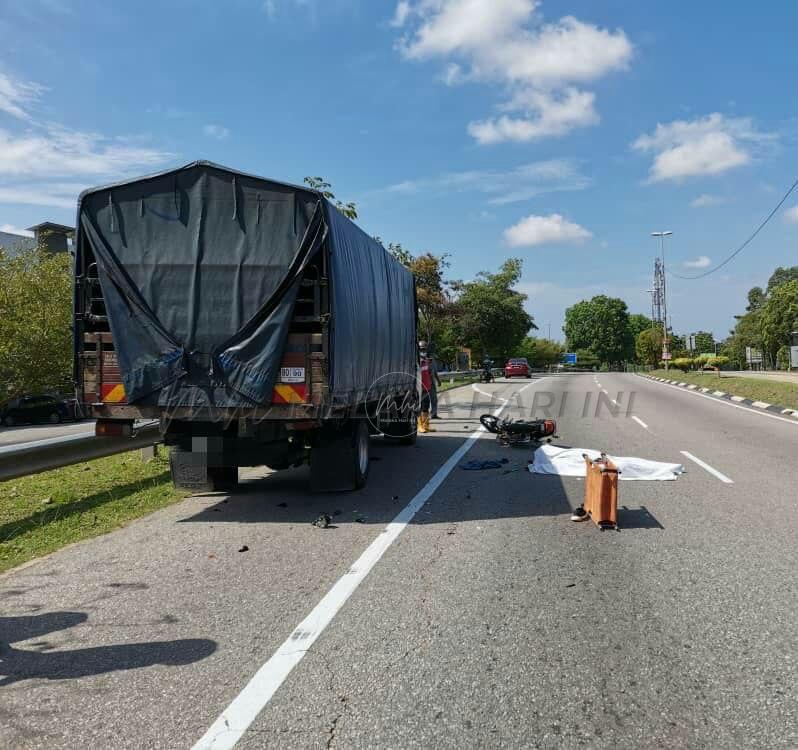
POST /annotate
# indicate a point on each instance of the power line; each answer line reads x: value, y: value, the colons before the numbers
x: 746, y: 243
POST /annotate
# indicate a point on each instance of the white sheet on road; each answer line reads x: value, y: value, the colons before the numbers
x: 568, y: 462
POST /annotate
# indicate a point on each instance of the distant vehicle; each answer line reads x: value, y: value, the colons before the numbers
x: 517, y: 368
x: 31, y: 409
x: 486, y: 375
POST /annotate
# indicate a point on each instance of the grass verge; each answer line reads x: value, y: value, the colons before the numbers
x: 757, y: 389
x: 447, y: 386
x: 43, y: 512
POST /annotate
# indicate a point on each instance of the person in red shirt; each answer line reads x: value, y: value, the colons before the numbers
x: 425, y: 370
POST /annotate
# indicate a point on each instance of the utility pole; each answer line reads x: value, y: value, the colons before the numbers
x: 665, y: 346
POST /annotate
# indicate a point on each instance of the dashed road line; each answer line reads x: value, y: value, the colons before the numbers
x: 707, y: 467
x: 640, y: 422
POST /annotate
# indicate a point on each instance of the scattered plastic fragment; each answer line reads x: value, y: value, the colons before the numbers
x: 488, y: 463
x: 323, y: 521
x: 244, y: 549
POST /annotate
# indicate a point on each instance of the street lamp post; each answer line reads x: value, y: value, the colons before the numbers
x: 665, y: 348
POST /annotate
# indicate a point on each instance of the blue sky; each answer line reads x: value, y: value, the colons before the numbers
x: 559, y: 132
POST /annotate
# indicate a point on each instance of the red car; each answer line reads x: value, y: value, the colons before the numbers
x: 517, y: 368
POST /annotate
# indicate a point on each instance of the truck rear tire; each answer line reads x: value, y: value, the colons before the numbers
x: 339, y: 461
x: 223, y: 478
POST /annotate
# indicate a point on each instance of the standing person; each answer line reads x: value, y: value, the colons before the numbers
x: 426, y: 388
x: 436, y: 381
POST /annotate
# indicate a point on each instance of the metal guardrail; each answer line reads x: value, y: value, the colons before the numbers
x: 53, y: 453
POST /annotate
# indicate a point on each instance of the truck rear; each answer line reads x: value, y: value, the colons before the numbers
x: 257, y: 323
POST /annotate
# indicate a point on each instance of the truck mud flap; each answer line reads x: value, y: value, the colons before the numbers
x: 190, y: 471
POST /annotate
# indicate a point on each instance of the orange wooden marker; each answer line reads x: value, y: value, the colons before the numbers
x: 601, y: 491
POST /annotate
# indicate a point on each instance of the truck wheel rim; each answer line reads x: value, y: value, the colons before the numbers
x: 363, y: 453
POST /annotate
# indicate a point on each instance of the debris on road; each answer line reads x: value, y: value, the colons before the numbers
x: 488, y: 463
x: 323, y: 521
x: 569, y: 462
x: 282, y: 505
x: 244, y: 549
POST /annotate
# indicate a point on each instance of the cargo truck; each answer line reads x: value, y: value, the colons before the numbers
x: 249, y: 316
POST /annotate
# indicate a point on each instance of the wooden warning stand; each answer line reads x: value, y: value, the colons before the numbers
x: 601, y: 491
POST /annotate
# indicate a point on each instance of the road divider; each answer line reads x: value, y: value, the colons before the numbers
x: 53, y: 453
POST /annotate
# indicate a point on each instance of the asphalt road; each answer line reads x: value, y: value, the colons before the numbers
x: 490, y: 620
x: 30, y: 432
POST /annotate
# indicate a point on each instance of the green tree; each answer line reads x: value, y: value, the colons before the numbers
x: 781, y: 276
x: 704, y: 342
x: 601, y: 325
x: 747, y: 333
x: 779, y: 317
x: 36, y: 323
x: 492, y: 319
x: 436, y: 309
x: 637, y: 324
x: 756, y: 299
x: 325, y: 188
x: 648, y: 346
x: 540, y: 352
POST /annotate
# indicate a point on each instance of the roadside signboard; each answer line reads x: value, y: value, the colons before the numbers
x: 794, y: 356
x: 667, y: 355
x: 753, y: 356
x: 569, y: 358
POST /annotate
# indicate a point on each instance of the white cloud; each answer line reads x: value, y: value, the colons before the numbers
x: 544, y: 230
x: 705, y: 200
x: 700, y: 262
x: 48, y: 164
x: 502, y: 187
x: 791, y: 215
x: 401, y: 14
x: 11, y: 229
x: 15, y: 96
x: 552, y: 116
x: 216, y: 131
x: 503, y: 41
x: 53, y: 151
x: 709, y: 145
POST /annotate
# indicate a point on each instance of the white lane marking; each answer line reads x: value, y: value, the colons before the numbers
x: 640, y: 422
x: 704, y: 465
x: 489, y: 395
x: 534, y: 382
x: 236, y: 718
x: 734, y: 406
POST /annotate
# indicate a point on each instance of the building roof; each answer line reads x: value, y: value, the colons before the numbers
x: 16, y: 243
x: 49, y: 226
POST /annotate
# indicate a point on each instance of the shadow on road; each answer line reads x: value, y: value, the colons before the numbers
x: 397, y: 474
x: 637, y: 518
x: 23, y: 664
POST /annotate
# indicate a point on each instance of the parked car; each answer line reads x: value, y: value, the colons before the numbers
x: 30, y: 409
x: 516, y: 368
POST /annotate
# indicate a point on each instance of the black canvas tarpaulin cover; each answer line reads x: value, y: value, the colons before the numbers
x: 200, y: 268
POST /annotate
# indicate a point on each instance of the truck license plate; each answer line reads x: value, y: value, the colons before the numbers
x: 292, y: 374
